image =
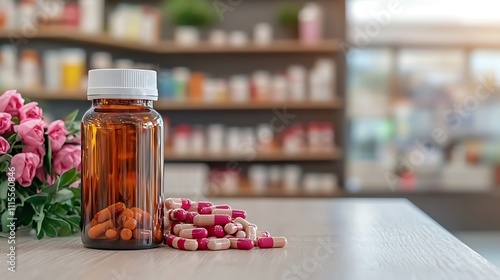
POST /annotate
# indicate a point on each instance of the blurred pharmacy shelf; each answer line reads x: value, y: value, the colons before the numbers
x: 62, y: 95
x: 167, y: 47
x: 334, y: 154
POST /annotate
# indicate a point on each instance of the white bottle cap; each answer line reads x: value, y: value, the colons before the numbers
x: 122, y: 84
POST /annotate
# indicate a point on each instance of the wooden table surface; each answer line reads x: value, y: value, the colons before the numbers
x: 327, y: 239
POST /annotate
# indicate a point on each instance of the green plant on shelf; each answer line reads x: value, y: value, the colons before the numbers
x: 196, y: 13
x: 287, y: 16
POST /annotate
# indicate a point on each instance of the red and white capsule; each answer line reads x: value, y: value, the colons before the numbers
x: 271, y: 242
x: 198, y: 205
x: 172, y: 203
x: 264, y: 233
x: 178, y: 227
x: 177, y: 214
x: 202, y: 243
x: 211, y: 220
x: 185, y: 244
x: 190, y: 216
x: 168, y: 240
x: 241, y: 243
x: 193, y: 233
x: 232, y: 228
x: 216, y: 231
x: 234, y: 213
x: 217, y: 244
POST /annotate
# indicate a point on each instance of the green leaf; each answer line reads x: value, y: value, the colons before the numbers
x: 15, y: 120
x: 52, y: 188
x: 62, y: 195
x: 12, y: 139
x: 3, y: 205
x: 38, y: 219
x: 49, y: 228
x: 36, y: 200
x: 5, y: 157
x: 69, y: 178
x: 3, y: 190
x: 65, y: 228
x: 71, y: 117
x: 4, y: 221
x: 40, y: 235
x: 77, y: 192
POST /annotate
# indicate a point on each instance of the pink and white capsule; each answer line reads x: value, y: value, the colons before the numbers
x: 198, y: 205
x: 232, y: 228
x: 178, y: 227
x: 203, y: 243
x: 241, y: 243
x: 234, y: 213
x: 211, y: 220
x: 263, y: 234
x: 190, y: 216
x: 271, y: 242
x: 216, y: 231
x: 193, y: 233
x: 185, y: 244
x: 217, y: 244
x: 177, y: 214
x: 172, y: 203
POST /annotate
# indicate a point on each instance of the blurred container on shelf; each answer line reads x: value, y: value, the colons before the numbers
x: 29, y: 70
x: 71, y: 14
x: 291, y: 178
x: 215, y: 136
x: 124, y: 64
x: 52, y: 70
x: 237, y: 39
x: 138, y: 23
x: 218, y: 37
x: 101, y: 60
x: 258, y: 176
x: 297, y: 80
x: 311, y: 23
x: 91, y: 16
x: 9, y: 66
x: 239, y: 88
x: 263, y: 34
x: 74, y: 69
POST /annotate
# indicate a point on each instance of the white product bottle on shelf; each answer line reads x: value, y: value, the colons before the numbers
x: 8, y: 59
x: 52, y: 69
x: 311, y: 23
x: 322, y: 81
x: 297, y: 83
x: 91, y: 16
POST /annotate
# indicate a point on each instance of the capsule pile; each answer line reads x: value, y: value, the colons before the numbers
x: 201, y: 225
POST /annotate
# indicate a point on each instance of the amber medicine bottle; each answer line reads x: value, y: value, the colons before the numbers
x: 122, y: 161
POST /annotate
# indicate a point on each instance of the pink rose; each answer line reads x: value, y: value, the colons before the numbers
x: 37, y: 150
x: 25, y: 166
x: 31, y: 131
x: 10, y: 102
x: 42, y: 176
x: 4, y: 146
x: 30, y: 111
x: 5, y: 122
x: 67, y: 158
x: 57, y: 133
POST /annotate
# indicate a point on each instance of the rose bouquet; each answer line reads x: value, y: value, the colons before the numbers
x: 39, y: 170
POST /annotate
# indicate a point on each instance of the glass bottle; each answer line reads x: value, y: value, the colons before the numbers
x: 122, y: 161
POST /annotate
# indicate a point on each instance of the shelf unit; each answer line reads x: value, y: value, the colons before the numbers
x: 276, y: 55
x: 334, y: 154
x: 168, y: 47
x: 162, y: 104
